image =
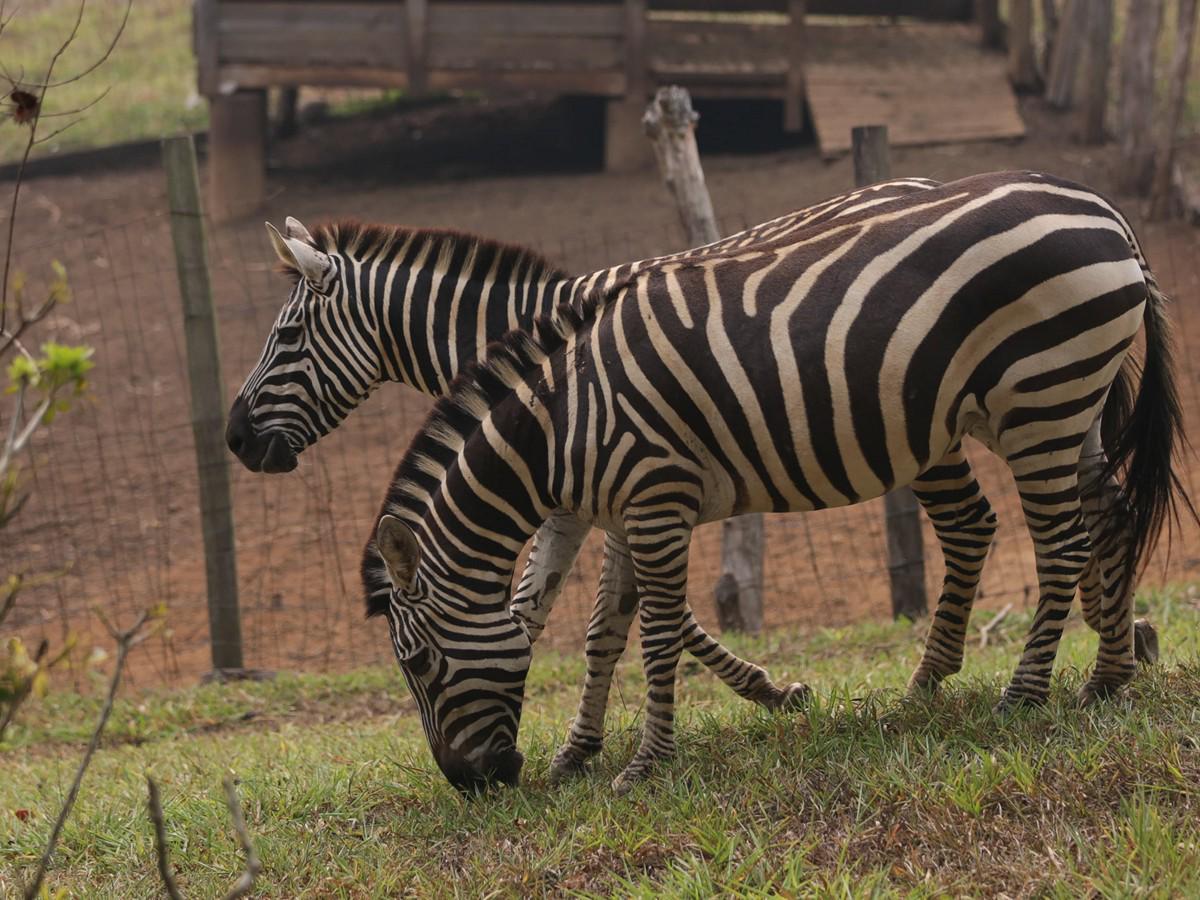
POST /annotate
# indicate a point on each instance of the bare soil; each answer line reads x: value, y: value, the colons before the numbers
x: 115, y: 508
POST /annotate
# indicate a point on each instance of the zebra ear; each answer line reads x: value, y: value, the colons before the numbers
x: 398, y: 547
x: 311, y: 263
x: 294, y: 229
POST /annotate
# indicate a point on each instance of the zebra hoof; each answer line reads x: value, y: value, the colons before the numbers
x: 1093, y: 692
x: 794, y: 697
x: 1145, y: 642
x: 1012, y: 702
x: 633, y: 775
x: 923, y: 683
x: 570, y: 762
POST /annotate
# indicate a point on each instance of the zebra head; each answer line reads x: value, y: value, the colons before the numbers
x: 315, y: 367
x: 465, y: 661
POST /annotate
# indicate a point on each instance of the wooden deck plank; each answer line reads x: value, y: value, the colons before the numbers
x: 929, y: 84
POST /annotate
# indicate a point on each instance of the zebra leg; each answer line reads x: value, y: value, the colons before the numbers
x: 1049, y: 492
x: 658, y: 545
x: 607, y: 634
x: 1107, y: 519
x: 965, y: 525
x: 747, y: 680
x: 555, y: 549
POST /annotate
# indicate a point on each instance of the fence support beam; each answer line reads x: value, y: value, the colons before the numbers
x: 208, y: 404
x: 902, y: 516
x: 670, y: 124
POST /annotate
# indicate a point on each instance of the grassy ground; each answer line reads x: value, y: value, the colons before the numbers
x: 865, y: 794
x: 151, y: 76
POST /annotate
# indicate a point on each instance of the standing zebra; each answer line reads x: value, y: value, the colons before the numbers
x: 373, y: 303
x: 818, y: 369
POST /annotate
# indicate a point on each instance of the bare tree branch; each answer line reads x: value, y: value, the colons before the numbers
x: 10, y: 600
x: 160, y: 841
x: 245, y: 883
x: 41, y: 88
x: 126, y: 641
x: 100, y: 60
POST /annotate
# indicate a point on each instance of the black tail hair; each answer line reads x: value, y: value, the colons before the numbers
x: 1142, y: 433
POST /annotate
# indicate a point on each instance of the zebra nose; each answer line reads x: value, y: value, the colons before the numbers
x: 238, y: 432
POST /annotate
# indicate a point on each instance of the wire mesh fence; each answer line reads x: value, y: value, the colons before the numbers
x: 113, y: 522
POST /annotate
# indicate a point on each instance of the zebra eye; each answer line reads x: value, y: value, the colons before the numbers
x: 290, y: 334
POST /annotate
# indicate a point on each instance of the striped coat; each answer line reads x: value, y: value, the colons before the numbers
x: 818, y: 369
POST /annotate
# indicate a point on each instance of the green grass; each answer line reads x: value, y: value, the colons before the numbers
x: 864, y: 794
x: 151, y: 75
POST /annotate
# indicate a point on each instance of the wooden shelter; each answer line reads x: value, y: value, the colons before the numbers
x: 618, y: 49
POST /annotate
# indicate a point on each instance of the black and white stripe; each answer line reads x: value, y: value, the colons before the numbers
x: 373, y: 303
x: 819, y: 368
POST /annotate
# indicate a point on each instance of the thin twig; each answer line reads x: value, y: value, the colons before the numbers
x: 10, y: 599
x: 245, y: 883
x: 100, y: 60
x: 986, y: 630
x: 126, y: 641
x: 160, y: 841
x: 41, y: 88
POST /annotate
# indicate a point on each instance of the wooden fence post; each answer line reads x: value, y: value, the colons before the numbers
x: 670, y: 124
x: 902, y: 516
x: 208, y: 404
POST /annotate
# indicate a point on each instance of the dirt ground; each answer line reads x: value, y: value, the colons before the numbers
x: 115, y: 509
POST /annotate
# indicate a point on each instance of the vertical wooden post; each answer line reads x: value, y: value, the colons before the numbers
x: 991, y: 29
x: 1022, y: 61
x: 416, y: 31
x: 208, y: 404
x: 1135, y: 99
x: 1098, y: 60
x: 902, y: 517
x: 1162, y: 193
x: 624, y: 145
x: 670, y: 124
x: 237, y: 154
x: 797, y: 53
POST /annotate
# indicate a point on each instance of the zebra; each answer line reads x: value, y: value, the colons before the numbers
x: 376, y: 303
x: 819, y: 369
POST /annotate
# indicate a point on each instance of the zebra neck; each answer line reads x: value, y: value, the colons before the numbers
x: 437, y: 314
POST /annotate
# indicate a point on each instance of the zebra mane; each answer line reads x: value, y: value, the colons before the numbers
x: 365, y: 241
x: 479, y: 386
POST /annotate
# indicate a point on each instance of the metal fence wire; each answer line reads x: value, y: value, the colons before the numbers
x: 113, y: 522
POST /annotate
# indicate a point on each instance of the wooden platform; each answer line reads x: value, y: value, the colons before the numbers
x: 928, y: 83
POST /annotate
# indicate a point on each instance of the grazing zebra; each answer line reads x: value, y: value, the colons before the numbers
x: 374, y: 303
x: 815, y: 370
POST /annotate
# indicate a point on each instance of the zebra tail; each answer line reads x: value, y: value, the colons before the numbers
x: 1143, y: 432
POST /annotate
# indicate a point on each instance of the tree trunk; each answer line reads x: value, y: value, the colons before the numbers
x: 1049, y: 32
x: 1099, y: 59
x: 1068, y: 48
x: 1135, y: 101
x: 1161, y: 191
x: 1022, y: 62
